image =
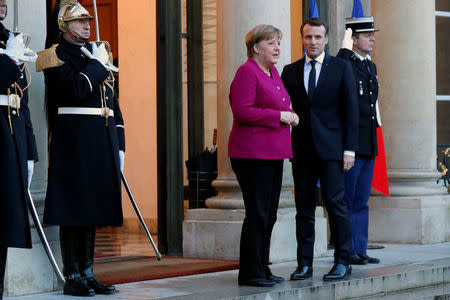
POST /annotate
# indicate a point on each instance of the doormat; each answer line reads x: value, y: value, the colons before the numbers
x: 139, y: 268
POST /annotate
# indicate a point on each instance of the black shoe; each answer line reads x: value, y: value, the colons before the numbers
x: 302, y: 273
x: 338, y: 272
x: 277, y: 279
x: 358, y: 260
x: 100, y: 288
x: 370, y: 260
x: 76, y: 286
x: 257, y: 282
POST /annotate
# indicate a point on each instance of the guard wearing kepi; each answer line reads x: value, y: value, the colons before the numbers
x: 87, y: 144
x: 358, y: 42
x: 17, y: 142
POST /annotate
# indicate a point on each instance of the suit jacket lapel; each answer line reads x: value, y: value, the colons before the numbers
x: 300, y: 72
x: 323, y: 74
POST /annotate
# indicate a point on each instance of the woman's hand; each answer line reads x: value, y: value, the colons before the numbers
x: 289, y: 118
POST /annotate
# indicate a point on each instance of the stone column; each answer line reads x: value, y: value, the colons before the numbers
x: 418, y: 210
x: 28, y: 271
x: 215, y: 231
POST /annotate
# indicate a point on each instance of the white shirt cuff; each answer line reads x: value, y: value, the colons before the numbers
x: 349, y: 153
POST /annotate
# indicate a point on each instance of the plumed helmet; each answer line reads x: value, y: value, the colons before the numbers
x: 71, y: 10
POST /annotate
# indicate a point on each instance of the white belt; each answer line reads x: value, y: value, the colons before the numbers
x: 86, y: 111
x: 13, y: 101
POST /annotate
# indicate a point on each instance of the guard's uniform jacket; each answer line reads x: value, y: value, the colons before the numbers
x: 84, y: 174
x: 17, y: 145
x: 367, y: 87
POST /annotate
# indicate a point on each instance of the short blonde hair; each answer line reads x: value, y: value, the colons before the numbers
x: 260, y: 33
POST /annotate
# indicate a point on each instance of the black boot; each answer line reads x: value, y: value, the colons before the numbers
x: 3, y: 253
x: 87, y: 264
x: 77, y: 286
x: 70, y: 239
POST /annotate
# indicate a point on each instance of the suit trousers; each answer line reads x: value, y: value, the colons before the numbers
x: 260, y: 182
x: 358, y: 183
x: 306, y: 174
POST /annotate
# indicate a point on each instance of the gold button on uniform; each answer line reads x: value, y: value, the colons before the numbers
x: 371, y: 93
x: 14, y: 112
x: 373, y: 117
x: 371, y: 105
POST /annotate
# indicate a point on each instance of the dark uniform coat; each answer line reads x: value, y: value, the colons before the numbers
x: 367, y: 87
x: 84, y: 174
x: 15, y: 150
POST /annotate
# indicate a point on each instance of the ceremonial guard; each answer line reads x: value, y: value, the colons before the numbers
x: 86, y: 149
x: 17, y: 143
x: 357, y: 44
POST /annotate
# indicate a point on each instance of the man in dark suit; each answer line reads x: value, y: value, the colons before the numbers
x: 358, y: 42
x: 322, y: 90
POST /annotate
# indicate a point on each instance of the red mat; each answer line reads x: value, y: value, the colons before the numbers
x: 130, y: 269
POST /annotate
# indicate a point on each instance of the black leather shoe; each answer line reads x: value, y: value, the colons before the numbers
x: 358, y: 260
x: 370, y: 260
x: 257, y: 282
x: 338, y: 272
x: 277, y: 279
x: 76, y: 286
x: 100, y: 288
x: 302, y: 273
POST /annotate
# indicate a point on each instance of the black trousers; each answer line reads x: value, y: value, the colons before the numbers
x: 306, y: 174
x: 260, y: 182
x: 77, y: 250
x: 3, y: 254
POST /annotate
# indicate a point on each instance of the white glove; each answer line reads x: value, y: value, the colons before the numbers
x: 121, y: 159
x: 30, y: 171
x: 347, y: 42
x: 100, y: 53
x: 16, y: 50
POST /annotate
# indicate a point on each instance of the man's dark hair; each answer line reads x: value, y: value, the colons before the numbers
x: 315, y: 22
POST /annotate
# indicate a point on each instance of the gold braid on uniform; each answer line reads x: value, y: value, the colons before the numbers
x: 25, y: 67
x: 17, y: 98
x: 109, y: 82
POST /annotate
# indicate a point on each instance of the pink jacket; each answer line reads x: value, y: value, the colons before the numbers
x: 256, y: 101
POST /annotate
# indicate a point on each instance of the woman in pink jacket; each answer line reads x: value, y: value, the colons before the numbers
x: 259, y: 142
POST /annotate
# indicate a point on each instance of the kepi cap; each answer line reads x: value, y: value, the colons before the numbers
x: 363, y: 24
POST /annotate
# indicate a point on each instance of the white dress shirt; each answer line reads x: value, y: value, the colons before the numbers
x: 307, y: 68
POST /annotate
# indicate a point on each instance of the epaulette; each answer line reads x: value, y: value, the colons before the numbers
x: 48, y: 59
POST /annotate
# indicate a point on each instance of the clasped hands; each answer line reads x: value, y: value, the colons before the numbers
x: 16, y: 50
x: 289, y: 118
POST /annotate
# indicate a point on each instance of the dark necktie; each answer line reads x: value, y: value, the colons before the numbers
x: 366, y: 63
x: 312, y: 79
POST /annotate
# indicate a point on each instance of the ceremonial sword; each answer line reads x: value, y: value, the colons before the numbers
x: 108, y: 65
x: 136, y: 209
x: 43, y: 238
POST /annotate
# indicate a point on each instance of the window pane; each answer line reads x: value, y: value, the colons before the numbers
x: 443, y: 5
x: 443, y: 118
x: 442, y: 56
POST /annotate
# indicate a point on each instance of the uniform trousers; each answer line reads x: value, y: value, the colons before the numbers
x: 358, y: 183
x: 260, y: 181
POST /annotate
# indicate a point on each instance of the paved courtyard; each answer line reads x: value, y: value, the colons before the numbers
x: 419, y: 272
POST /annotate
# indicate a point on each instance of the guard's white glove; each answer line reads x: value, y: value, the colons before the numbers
x: 30, y: 171
x: 100, y: 53
x: 16, y: 50
x: 121, y: 159
x: 347, y: 42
